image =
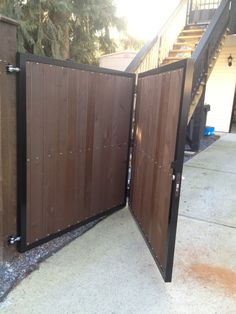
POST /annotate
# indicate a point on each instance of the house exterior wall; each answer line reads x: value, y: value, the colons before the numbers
x: 8, y: 49
x: 234, y: 113
x: 117, y: 61
x: 221, y: 87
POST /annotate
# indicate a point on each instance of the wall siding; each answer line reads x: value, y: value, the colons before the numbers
x: 220, y: 89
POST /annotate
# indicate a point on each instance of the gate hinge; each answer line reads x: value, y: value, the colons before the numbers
x: 13, y: 239
x: 11, y: 69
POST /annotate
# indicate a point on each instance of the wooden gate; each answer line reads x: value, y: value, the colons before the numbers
x: 74, y: 129
x: 73, y: 145
x: 160, y: 127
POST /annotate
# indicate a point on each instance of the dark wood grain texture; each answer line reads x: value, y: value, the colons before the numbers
x: 8, y: 42
x: 157, y: 117
x: 78, y: 126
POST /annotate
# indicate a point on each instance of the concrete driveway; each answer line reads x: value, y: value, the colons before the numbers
x: 110, y: 270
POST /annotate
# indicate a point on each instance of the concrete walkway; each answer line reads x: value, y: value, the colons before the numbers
x: 110, y: 270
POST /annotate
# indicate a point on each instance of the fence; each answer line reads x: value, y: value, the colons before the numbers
x: 73, y: 148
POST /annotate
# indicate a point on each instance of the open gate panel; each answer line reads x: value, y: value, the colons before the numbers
x: 163, y: 100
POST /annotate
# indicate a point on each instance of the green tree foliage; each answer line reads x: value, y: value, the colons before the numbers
x: 65, y: 29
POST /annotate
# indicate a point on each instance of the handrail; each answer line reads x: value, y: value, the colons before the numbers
x: 232, y: 24
x: 207, y: 35
x: 155, y: 51
x: 208, y: 44
x: 197, y: 7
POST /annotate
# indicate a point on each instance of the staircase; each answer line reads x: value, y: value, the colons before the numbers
x: 199, y: 91
x: 184, y: 47
x: 186, y: 43
x: 183, y: 37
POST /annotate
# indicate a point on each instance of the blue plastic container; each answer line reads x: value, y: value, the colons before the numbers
x: 209, y: 130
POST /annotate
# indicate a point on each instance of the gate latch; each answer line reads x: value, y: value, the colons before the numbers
x: 13, y: 239
x: 177, y: 184
x: 11, y: 69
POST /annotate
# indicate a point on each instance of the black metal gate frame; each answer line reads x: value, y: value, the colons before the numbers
x: 22, y: 149
x: 187, y: 65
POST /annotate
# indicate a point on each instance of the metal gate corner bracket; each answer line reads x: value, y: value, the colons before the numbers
x: 13, y: 239
x: 11, y: 69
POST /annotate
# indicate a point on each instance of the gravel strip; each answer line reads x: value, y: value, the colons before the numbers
x: 11, y: 273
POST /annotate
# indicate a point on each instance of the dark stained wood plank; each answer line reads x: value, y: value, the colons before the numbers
x: 35, y: 120
x: 157, y: 115
x: 70, y: 193
x: 83, y: 79
x: 78, y: 124
x: 50, y: 148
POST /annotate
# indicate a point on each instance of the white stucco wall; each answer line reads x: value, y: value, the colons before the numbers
x: 221, y: 87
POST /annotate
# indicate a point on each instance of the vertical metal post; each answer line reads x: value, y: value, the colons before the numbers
x: 8, y: 47
x: 190, y: 10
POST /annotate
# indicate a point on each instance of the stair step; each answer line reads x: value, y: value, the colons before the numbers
x: 194, y: 31
x: 185, y: 45
x: 182, y: 44
x: 179, y: 54
x: 192, y: 37
x: 184, y: 53
x: 190, y: 50
x: 189, y: 44
x: 197, y: 25
x: 174, y: 58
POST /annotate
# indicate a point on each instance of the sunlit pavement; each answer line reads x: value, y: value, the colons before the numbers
x: 110, y: 270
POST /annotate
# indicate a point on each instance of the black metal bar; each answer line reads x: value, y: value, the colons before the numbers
x: 130, y: 139
x: 8, y: 20
x: 195, y: 127
x: 232, y: 112
x: 23, y: 247
x: 179, y: 159
x: 165, y: 68
x: 21, y: 151
x: 190, y: 9
x: 71, y: 64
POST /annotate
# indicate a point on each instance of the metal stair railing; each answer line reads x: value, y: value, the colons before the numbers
x: 201, y: 11
x: 155, y: 51
x: 208, y: 48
